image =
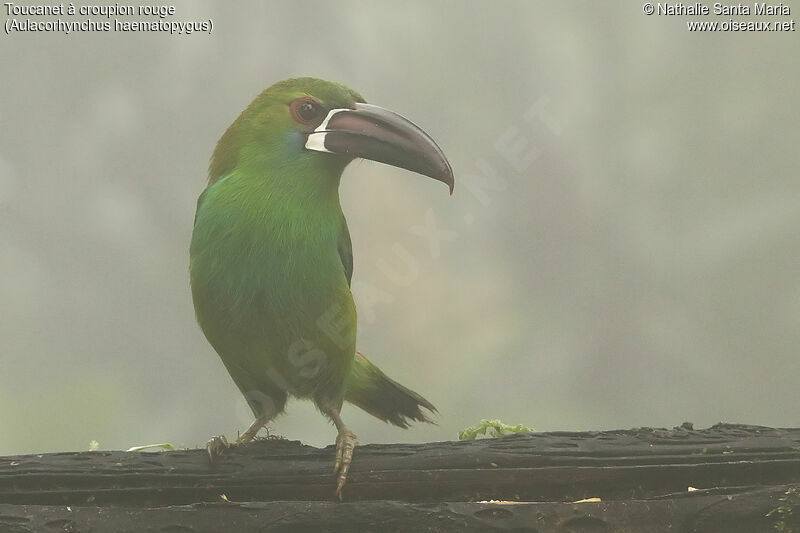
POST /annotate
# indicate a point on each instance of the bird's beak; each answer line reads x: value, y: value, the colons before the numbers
x: 371, y: 132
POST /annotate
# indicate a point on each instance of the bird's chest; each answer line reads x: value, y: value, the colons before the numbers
x: 277, y: 266
x: 253, y: 271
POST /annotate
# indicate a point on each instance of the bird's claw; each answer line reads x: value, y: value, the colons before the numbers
x: 346, y: 442
x: 215, y: 446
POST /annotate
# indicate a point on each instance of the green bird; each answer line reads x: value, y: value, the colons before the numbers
x: 271, y: 259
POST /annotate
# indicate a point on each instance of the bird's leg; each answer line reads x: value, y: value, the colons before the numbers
x: 218, y: 443
x: 346, y: 442
x: 254, y: 428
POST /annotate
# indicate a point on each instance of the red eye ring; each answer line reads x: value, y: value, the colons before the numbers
x: 307, y: 111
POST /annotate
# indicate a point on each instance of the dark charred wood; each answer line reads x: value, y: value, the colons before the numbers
x: 747, y: 478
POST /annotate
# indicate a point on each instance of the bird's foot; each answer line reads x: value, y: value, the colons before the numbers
x: 215, y: 446
x: 218, y: 443
x: 346, y: 442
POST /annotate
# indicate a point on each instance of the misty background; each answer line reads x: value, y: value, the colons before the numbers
x: 622, y: 247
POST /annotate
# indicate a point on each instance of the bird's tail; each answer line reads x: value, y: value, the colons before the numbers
x: 384, y: 398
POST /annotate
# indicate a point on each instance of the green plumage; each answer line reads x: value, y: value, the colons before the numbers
x: 271, y: 264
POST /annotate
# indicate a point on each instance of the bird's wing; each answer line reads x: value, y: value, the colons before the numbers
x: 199, y: 203
x: 346, y: 250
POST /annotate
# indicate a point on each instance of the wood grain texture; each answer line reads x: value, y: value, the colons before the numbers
x: 747, y: 476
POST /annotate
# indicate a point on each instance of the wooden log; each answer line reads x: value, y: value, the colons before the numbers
x: 750, y: 511
x: 747, y: 476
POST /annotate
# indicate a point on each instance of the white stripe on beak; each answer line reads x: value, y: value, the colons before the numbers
x: 324, y: 126
x: 316, y: 142
x: 316, y: 139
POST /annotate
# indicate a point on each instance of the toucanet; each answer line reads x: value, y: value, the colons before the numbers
x: 271, y: 260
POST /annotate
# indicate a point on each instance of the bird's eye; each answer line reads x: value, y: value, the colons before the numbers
x: 307, y: 111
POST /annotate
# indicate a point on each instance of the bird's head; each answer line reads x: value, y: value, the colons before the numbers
x: 323, y: 125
